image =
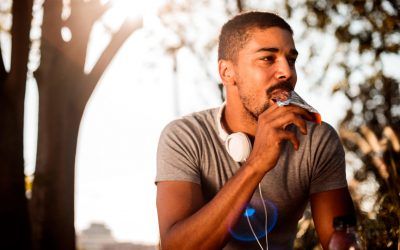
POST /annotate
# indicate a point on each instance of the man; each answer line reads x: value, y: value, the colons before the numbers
x: 206, y: 199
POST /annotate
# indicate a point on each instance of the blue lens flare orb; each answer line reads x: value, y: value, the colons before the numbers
x: 248, y: 212
x: 254, y: 214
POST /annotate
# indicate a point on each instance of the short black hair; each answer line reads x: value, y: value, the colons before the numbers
x: 235, y: 33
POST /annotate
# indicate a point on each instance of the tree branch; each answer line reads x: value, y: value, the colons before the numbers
x: 22, y: 18
x: 52, y: 23
x: 3, y: 72
x: 239, y: 5
x: 50, y: 42
x: 111, y: 50
x: 83, y: 17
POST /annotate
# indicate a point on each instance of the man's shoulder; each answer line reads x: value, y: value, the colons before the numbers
x: 322, y: 130
x: 206, y: 114
x: 324, y: 142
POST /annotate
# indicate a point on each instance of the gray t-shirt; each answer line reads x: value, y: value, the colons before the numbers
x: 190, y: 149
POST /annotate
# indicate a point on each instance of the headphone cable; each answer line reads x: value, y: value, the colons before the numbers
x: 254, y: 234
x: 266, y: 222
x: 266, y: 216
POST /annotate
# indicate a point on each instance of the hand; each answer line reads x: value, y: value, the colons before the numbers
x: 271, y: 133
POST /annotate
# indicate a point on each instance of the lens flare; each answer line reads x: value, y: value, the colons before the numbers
x: 254, y: 213
x: 249, y: 211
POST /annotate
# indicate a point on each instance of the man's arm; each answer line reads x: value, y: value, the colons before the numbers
x: 186, y: 222
x: 327, y: 205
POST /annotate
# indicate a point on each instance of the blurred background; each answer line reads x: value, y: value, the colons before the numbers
x: 86, y: 87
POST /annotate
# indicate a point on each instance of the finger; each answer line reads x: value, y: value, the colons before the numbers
x: 272, y: 107
x: 290, y: 136
x: 290, y: 118
x: 302, y: 112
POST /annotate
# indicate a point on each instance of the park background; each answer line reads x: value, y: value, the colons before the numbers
x: 87, y: 86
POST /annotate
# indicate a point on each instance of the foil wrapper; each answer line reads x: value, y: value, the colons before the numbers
x: 294, y: 99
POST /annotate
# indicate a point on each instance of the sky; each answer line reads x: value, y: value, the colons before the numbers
x: 136, y: 97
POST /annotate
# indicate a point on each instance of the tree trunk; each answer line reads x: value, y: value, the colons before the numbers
x: 59, y: 118
x: 14, y: 226
x: 59, y: 77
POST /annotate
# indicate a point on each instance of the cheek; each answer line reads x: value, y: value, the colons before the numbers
x: 264, y: 72
x: 254, y: 81
x: 294, y: 76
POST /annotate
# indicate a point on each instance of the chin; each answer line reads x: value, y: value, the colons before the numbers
x: 260, y: 110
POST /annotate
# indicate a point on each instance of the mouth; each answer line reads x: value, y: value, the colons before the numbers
x: 279, y: 92
x: 280, y: 95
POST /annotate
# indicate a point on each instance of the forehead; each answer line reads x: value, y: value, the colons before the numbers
x: 273, y: 37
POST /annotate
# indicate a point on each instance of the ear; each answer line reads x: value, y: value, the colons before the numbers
x: 226, y: 72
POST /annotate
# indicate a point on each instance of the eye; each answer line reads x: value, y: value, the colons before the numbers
x: 268, y: 58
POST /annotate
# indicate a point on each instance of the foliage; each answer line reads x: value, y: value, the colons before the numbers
x: 368, y: 33
x: 306, y: 237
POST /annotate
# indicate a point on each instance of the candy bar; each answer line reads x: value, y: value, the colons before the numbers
x: 294, y: 99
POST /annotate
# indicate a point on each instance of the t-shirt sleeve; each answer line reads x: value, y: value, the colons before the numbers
x: 178, y: 153
x: 328, y: 160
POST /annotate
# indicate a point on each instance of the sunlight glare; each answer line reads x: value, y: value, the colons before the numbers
x: 132, y: 8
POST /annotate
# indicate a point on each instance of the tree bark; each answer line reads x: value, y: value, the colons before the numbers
x: 14, y: 226
x: 58, y: 77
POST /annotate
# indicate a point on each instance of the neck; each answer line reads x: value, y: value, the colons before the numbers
x: 237, y: 119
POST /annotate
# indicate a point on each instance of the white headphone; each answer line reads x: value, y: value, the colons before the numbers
x: 238, y: 144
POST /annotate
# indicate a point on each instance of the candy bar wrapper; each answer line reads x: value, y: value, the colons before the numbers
x: 295, y: 99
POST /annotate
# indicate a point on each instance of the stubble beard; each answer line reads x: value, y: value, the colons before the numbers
x: 249, y: 103
x: 256, y: 113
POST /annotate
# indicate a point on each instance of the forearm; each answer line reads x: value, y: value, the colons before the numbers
x: 325, y: 206
x: 208, y: 228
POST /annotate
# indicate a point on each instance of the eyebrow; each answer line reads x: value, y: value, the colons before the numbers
x: 275, y: 50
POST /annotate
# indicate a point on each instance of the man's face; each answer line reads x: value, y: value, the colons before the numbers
x: 265, y: 68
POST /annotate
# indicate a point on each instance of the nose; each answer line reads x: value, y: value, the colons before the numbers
x: 284, y: 70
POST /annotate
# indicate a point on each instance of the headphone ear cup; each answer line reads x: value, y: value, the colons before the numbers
x: 238, y: 146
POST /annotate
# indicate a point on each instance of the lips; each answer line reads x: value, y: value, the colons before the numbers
x: 280, y: 95
x: 280, y: 91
